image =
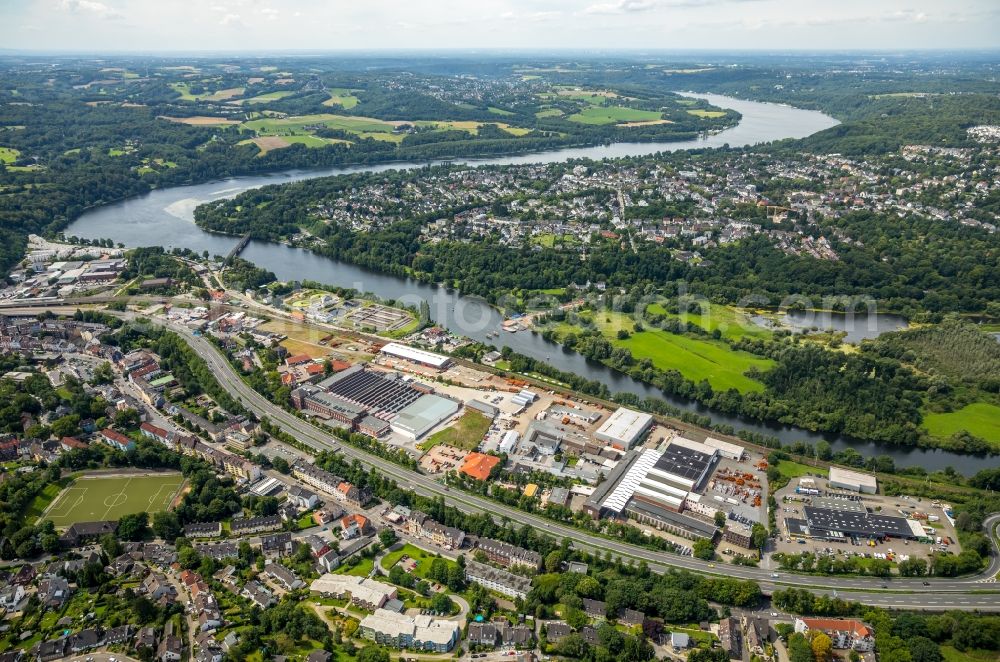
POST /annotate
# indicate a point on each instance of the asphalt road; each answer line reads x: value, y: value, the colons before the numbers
x: 964, y: 593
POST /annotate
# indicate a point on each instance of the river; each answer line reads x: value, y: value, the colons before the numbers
x: 165, y: 217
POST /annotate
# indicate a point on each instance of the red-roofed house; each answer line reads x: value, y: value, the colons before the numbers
x: 354, y: 525
x: 843, y: 632
x: 156, y: 434
x: 298, y: 359
x: 117, y: 440
x: 71, y: 443
x: 479, y: 465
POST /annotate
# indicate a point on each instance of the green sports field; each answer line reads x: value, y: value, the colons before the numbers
x: 95, y: 498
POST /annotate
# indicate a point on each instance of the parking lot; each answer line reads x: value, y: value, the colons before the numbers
x: 929, y: 513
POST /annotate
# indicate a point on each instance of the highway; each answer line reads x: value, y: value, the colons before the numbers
x: 966, y: 593
x: 962, y: 593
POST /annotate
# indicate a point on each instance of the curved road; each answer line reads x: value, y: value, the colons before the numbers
x: 964, y: 593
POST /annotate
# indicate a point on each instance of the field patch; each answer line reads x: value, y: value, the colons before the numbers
x: 466, y: 433
x: 95, y: 498
x: 730, y: 322
x: 980, y: 419
x: 268, y: 143
x: 270, y: 96
x: 549, y: 112
x: 613, y: 115
x: 707, y: 114
x: 342, y: 97
x: 646, y: 123
x: 219, y: 95
x: 695, y: 358
x: 9, y: 154
x: 200, y: 120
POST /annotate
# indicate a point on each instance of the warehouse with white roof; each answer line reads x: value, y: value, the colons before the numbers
x: 624, y: 428
x: 855, y: 481
x: 423, y: 415
x: 414, y: 355
x: 726, y: 449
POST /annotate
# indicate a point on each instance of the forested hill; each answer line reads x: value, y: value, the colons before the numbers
x: 884, y: 125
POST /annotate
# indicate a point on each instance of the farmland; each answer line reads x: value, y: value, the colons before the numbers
x: 8, y: 154
x: 94, y: 498
x: 613, y: 115
x: 707, y: 114
x: 363, y: 127
x: 268, y: 143
x: 270, y: 96
x: 219, y: 95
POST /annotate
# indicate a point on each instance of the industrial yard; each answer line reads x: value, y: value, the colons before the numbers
x: 843, y: 515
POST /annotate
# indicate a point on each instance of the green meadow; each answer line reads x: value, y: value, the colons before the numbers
x: 270, y: 96
x: 695, y: 358
x: 980, y: 419
x: 613, y: 115
x: 732, y: 323
x: 341, y: 96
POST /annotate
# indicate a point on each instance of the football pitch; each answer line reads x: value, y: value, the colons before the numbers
x: 95, y: 498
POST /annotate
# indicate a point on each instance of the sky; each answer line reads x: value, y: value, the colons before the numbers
x: 277, y: 25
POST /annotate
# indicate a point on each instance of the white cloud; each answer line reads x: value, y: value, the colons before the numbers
x: 621, y: 7
x: 231, y: 21
x: 98, y: 9
x: 530, y: 16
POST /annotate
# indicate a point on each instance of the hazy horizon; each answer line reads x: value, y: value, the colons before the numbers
x: 186, y: 26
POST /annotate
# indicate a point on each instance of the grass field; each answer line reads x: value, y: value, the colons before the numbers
x: 362, y: 568
x: 466, y: 433
x: 695, y: 358
x: 268, y: 143
x: 951, y: 654
x: 270, y: 96
x: 499, y: 111
x: 549, y: 112
x: 218, y: 95
x: 981, y: 419
x: 96, y: 498
x: 790, y: 469
x: 363, y: 127
x: 200, y: 120
x: 732, y: 323
x: 708, y: 114
x: 8, y: 154
x: 340, y: 96
x: 613, y: 115
x: 422, y: 557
